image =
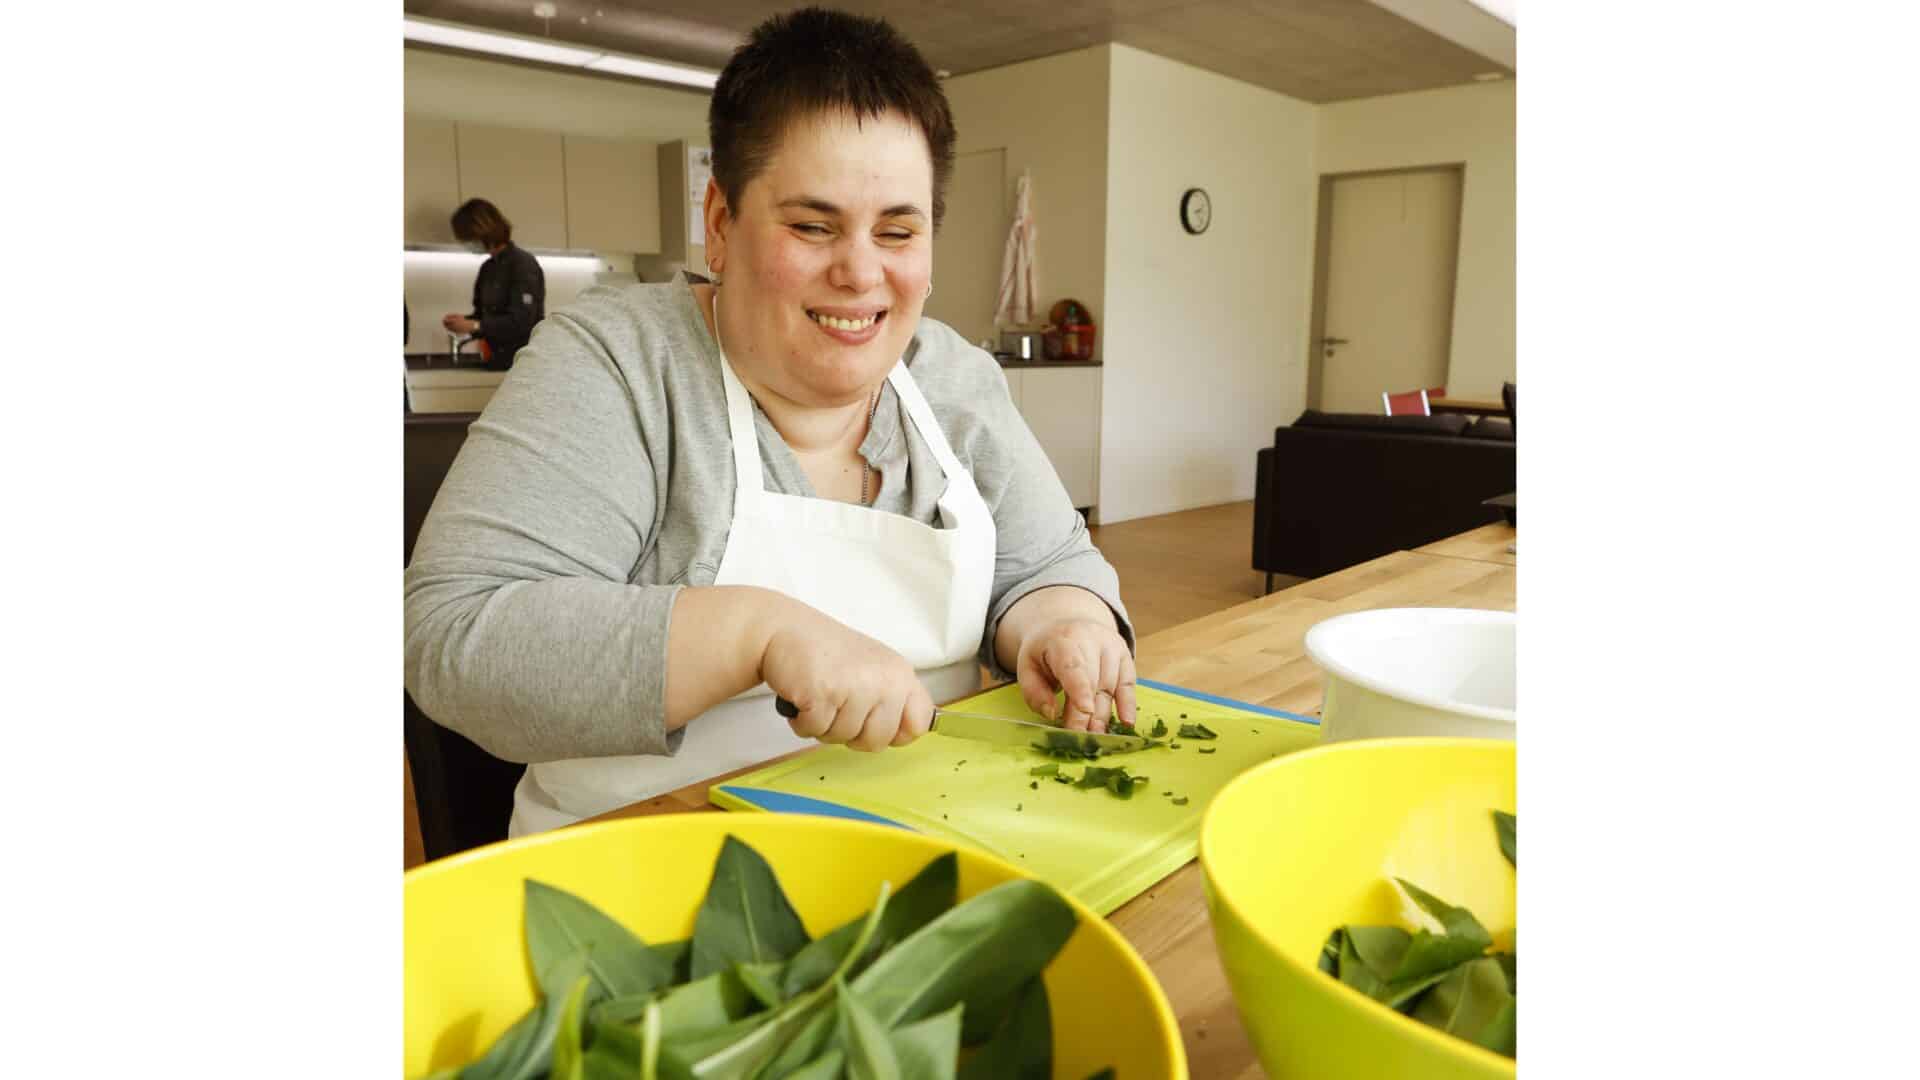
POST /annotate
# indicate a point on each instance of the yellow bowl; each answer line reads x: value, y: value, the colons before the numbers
x: 467, y: 974
x: 1308, y: 842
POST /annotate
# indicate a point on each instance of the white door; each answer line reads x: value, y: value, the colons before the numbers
x: 1388, y: 301
x: 966, y: 254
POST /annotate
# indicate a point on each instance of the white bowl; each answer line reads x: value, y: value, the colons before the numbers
x: 1416, y: 671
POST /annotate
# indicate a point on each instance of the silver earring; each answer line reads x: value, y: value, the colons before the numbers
x: 929, y: 295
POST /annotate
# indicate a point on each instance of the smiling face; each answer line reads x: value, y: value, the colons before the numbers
x: 825, y: 263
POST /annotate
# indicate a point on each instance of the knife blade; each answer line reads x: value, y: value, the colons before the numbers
x: 1003, y: 731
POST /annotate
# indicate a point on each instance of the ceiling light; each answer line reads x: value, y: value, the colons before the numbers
x: 433, y: 32
x: 460, y: 37
x: 653, y: 69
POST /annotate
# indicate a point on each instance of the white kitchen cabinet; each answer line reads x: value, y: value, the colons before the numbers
x: 613, y: 195
x: 521, y: 172
x: 432, y: 181
x: 1062, y: 406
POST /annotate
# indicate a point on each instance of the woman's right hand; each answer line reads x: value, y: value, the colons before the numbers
x: 848, y: 687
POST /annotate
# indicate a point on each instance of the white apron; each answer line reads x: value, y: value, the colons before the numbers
x: 920, y: 590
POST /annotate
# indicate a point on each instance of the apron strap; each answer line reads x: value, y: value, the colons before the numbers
x: 923, y: 420
x: 748, y: 481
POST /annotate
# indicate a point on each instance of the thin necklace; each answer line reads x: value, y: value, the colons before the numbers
x: 867, y: 476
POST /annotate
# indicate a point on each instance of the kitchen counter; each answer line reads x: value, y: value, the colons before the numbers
x: 440, y: 361
x: 1253, y: 652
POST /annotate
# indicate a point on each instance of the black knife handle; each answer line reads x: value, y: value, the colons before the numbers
x: 786, y: 708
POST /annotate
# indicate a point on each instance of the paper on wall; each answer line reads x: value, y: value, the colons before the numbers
x: 699, y: 171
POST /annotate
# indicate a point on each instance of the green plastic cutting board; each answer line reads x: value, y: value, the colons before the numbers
x: 1101, y: 849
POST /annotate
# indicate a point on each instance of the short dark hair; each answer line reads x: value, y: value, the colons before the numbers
x: 811, y: 61
x: 478, y: 219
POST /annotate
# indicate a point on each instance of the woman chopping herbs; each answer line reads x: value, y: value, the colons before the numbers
x: 688, y: 497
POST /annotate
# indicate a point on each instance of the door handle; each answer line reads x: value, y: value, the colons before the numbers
x: 1333, y: 341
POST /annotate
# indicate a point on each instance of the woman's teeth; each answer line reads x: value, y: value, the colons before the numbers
x: 848, y: 325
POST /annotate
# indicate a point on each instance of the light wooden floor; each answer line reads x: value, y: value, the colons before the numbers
x: 1181, y: 566
x: 1172, y: 568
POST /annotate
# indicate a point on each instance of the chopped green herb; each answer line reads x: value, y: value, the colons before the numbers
x: 1181, y: 801
x: 1159, y: 728
x: 1034, y: 785
x: 1049, y: 769
x: 1504, y: 827
x: 1208, y: 750
x: 1197, y: 731
x: 1019, y: 806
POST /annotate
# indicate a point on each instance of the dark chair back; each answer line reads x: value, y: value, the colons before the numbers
x: 463, y: 794
x: 1506, y: 397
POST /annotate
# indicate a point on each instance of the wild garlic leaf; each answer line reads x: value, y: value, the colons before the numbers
x: 931, y: 892
x: 1505, y: 826
x: 1457, y: 921
x: 651, y: 1029
x: 929, y: 1049
x: 1380, y: 948
x: 1467, y: 1000
x: 1354, y: 971
x: 1509, y: 963
x: 1428, y: 953
x: 613, y: 1050
x: 525, y: 1050
x: 1500, y: 1035
x: 815, y: 1039
x: 974, y: 953
x: 1023, y: 1047
x: 830, y: 1065
x: 559, y: 924
x: 1330, y: 952
x: 567, y: 1042
x: 762, y: 981
x: 702, y: 1005
x: 746, y: 917
x: 745, y: 1049
x: 869, y: 1049
x: 679, y: 958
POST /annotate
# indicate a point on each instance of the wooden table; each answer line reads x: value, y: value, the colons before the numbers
x: 1488, y: 543
x: 1467, y: 406
x: 1253, y: 652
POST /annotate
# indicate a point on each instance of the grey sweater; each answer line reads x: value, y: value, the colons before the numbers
x: 599, y: 482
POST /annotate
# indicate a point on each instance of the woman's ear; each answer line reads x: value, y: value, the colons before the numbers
x: 714, y: 213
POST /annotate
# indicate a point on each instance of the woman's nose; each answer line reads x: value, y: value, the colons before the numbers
x: 856, y: 266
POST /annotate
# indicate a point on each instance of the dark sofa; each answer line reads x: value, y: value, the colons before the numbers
x: 1336, y: 489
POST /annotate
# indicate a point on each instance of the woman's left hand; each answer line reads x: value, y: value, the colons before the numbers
x: 1086, y: 658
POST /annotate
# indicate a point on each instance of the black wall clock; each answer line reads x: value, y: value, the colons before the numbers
x: 1196, y: 211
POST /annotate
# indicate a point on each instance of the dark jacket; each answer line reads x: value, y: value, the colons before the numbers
x: 509, y: 297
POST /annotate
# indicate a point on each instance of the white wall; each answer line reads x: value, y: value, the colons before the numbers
x: 1050, y: 115
x: 1471, y: 124
x: 1204, y: 335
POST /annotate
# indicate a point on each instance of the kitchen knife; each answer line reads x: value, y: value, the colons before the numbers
x: 1004, y: 732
